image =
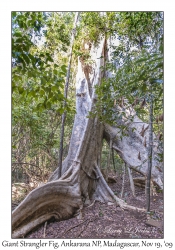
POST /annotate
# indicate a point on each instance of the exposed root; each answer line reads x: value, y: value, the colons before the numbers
x: 59, y: 199
x: 126, y: 206
x: 23, y: 230
x: 105, y: 193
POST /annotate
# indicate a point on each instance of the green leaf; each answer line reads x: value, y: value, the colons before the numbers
x: 13, y: 88
x: 56, y: 65
x: 48, y: 104
x: 20, y: 90
x: 18, y: 34
x: 43, y: 80
x: 64, y: 68
x: 160, y: 93
x: 134, y: 88
x: 13, y: 14
x: 54, y: 88
x: 42, y: 92
x: 32, y: 74
x: 55, y: 72
x: 141, y: 60
x: 26, y: 58
x: 32, y: 58
x: 32, y: 93
x: 29, y: 23
x: 143, y: 87
x: 49, y: 58
x: 61, y: 111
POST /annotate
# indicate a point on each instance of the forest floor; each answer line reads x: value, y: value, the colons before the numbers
x: 110, y: 221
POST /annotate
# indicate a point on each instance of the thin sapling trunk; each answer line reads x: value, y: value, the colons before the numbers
x: 150, y: 150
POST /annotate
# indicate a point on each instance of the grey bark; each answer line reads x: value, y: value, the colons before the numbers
x: 131, y: 146
x: 65, y: 95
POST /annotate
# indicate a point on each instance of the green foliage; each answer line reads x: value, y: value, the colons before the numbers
x: 140, y: 28
x: 59, y: 27
x: 39, y: 67
x: 134, y: 68
x: 36, y: 74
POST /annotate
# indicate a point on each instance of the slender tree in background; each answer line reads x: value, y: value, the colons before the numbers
x: 123, y: 179
x: 150, y: 151
x: 65, y: 95
x: 131, y: 181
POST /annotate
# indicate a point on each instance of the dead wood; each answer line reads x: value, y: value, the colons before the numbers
x: 139, y: 181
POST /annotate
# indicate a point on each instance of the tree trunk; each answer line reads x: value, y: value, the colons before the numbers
x: 81, y: 180
x: 131, y: 148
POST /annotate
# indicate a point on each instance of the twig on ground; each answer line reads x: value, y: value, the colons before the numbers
x: 44, y: 234
x: 75, y: 226
x: 93, y: 219
x: 83, y: 229
x: 91, y: 204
